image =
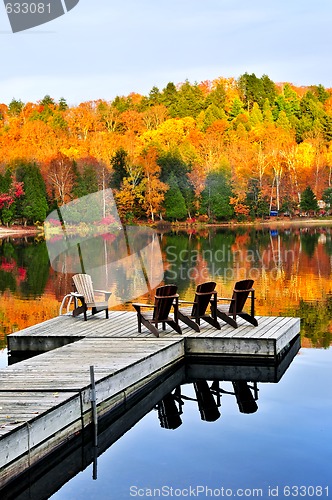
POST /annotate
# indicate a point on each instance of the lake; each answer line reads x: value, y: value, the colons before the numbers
x: 283, y: 448
x: 291, y: 266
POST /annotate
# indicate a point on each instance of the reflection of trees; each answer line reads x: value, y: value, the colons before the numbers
x: 290, y: 266
x: 302, y: 288
x: 309, y: 242
x: 195, y: 258
x: 8, y: 266
x: 16, y: 313
x: 316, y: 321
x: 35, y: 260
x: 24, y: 271
x: 24, y: 267
x: 181, y: 255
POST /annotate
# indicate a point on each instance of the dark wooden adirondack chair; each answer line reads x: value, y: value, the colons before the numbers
x: 205, y: 292
x: 228, y: 312
x: 86, y: 295
x: 165, y: 298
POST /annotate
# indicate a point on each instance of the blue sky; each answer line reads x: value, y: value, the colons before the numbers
x: 104, y: 48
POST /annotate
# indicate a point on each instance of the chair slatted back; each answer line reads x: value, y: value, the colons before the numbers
x: 241, y: 292
x: 163, y: 301
x: 83, y: 285
x: 202, y: 298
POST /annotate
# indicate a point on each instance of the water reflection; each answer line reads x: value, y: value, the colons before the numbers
x: 291, y: 266
x: 208, y: 398
x: 167, y: 399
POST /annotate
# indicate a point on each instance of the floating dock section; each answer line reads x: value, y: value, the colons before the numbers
x: 46, y: 400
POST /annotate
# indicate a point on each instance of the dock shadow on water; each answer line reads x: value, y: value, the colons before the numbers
x: 202, y: 388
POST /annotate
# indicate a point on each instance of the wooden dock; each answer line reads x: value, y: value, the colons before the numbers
x: 268, y: 339
x: 46, y: 400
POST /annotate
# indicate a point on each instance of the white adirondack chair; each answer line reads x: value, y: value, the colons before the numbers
x: 86, y: 295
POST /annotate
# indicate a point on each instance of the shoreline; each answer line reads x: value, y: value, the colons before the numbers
x: 18, y: 231
x: 29, y: 230
x: 303, y: 221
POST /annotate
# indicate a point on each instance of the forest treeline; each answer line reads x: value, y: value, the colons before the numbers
x: 215, y: 150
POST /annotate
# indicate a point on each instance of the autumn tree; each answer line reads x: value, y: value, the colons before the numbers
x: 154, y: 189
x: 10, y: 192
x: 129, y: 199
x: 279, y: 135
x: 61, y: 178
x: 109, y: 115
x: 155, y: 116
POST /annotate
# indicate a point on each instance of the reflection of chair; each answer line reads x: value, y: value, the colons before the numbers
x: 246, y: 400
x: 86, y: 295
x: 169, y: 413
x: 244, y: 397
x: 165, y: 298
x: 204, y: 293
x: 241, y: 292
x: 207, y: 406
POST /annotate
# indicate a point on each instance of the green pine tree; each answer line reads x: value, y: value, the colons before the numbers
x: 119, y: 171
x: 33, y: 206
x: 216, y: 196
x: 308, y: 201
x: 174, y: 203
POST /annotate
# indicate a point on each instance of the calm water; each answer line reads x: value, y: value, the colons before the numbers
x: 285, y: 443
x: 291, y: 267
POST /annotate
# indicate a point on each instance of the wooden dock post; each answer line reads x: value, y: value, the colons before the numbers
x: 93, y: 400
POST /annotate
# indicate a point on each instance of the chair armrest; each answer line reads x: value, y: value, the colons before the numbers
x: 105, y: 292
x: 76, y: 294
x: 225, y: 298
x: 137, y: 304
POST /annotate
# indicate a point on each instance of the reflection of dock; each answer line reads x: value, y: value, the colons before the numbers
x: 45, y: 400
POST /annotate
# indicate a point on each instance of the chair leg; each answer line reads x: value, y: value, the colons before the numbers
x: 175, y: 326
x: 227, y: 319
x: 139, y: 323
x: 253, y: 321
x: 188, y: 321
x: 212, y: 322
x: 150, y: 326
x: 80, y: 309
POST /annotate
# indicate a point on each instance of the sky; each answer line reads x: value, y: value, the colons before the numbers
x: 104, y: 48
